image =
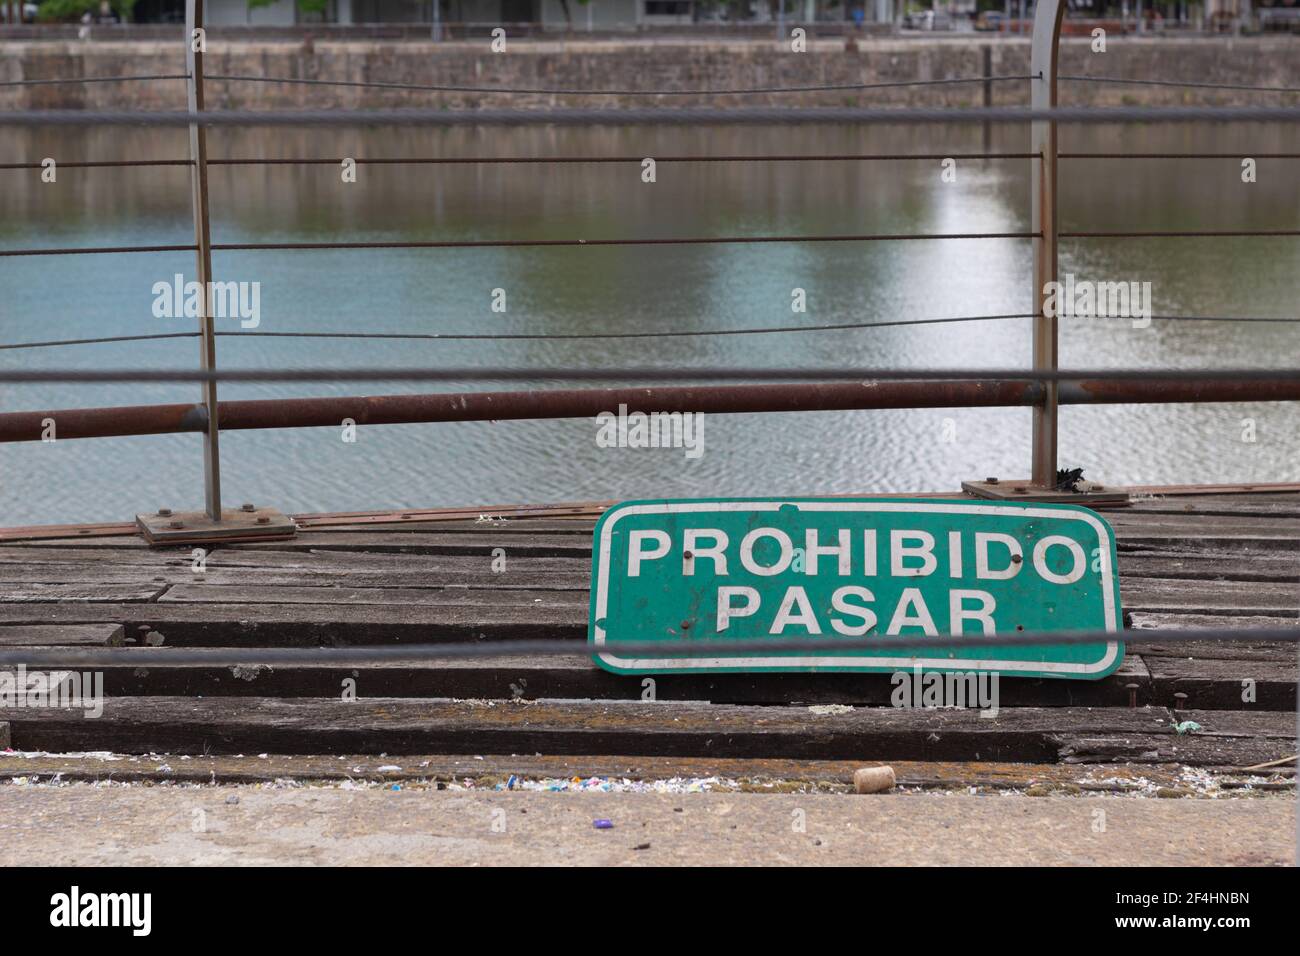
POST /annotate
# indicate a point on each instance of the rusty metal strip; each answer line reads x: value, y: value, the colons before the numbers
x: 43, y: 532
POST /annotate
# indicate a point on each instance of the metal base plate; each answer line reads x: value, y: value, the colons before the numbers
x: 1023, y: 490
x: 186, y: 527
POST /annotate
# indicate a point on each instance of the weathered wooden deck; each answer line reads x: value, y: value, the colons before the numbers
x: 1188, y: 560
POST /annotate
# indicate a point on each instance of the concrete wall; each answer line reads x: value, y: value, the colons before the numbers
x: 663, y: 64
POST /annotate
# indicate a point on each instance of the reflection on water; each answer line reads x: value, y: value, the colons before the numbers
x: 639, y: 288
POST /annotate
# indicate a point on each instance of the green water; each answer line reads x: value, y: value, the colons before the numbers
x: 640, y: 288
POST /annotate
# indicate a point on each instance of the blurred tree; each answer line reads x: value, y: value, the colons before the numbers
x: 306, y: 6
x: 75, y: 9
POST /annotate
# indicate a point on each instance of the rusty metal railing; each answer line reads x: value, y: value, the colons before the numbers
x: 1043, y: 389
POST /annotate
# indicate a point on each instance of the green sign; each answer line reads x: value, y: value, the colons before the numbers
x: 684, y: 571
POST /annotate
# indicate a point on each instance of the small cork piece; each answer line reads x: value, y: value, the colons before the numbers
x: 874, y: 779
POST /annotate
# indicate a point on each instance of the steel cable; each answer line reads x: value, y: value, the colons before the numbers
x: 665, y: 374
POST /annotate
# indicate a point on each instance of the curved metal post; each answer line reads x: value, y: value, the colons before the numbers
x: 1044, y: 50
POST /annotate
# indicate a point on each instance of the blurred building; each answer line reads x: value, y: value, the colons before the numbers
x: 596, y: 14
x: 599, y: 13
x: 1213, y: 15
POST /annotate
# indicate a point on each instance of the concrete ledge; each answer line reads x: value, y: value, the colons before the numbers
x: 663, y: 64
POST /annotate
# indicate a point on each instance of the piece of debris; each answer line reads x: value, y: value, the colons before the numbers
x: 824, y: 710
x: 232, y: 799
x: 874, y: 779
x: 603, y: 824
x: 1187, y: 727
x: 1068, y: 479
x: 1272, y: 763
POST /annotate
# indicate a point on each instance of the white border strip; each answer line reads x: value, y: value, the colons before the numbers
x: 912, y: 507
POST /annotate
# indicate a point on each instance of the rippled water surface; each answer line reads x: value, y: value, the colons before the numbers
x: 639, y: 288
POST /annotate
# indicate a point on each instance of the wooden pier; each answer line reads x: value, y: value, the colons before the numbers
x: 1186, y: 560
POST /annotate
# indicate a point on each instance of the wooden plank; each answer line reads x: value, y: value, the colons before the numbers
x: 363, y: 560
x: 553, y: 510
x: 1203, y: 532
x: 14, y: 559
x: 1162, y: 620
x: 102, y: 573
x: 88, y: 593
x: 1232, y: 523
x: 63, y: 635
x: 477, y: 571
x: 1241, y: 722
x: 1190, y: 537
x: 575, y: 677
x: 512, y: 577
x: 1203, y: 597
x: 515, y: 544
x: 1194, y: 565
x: 392, y: 726
x: 334, y: 594
x: 1219, y: 684
x: 1193, y: 750
x: 1226, y: 738
x: 581, y: 526
x: 27, y: 554
x: 20, y: 532
x: 1147, y: 643
x: 313, y: 625
x: 1270, y: 652
x: 396, y: 570
x: 109, y: 543
x: 1233, y: 489
x: 1276, y: 505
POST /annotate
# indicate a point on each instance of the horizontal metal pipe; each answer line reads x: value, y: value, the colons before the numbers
x: 497, y: 406
x: 583, y: 403
x: 102, y: 422
x: 1161, y: 391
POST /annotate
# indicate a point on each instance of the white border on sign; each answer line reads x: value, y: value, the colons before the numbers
x: 706, y: 663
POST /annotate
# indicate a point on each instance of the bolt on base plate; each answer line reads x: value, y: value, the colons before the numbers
x: 1008, y: 489
x: 243, y: 524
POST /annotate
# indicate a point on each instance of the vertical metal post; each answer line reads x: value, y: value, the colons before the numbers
x: 203, y: 257
x: 988, y: 95
x: 1044, y: 49
x: 987, y: 53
